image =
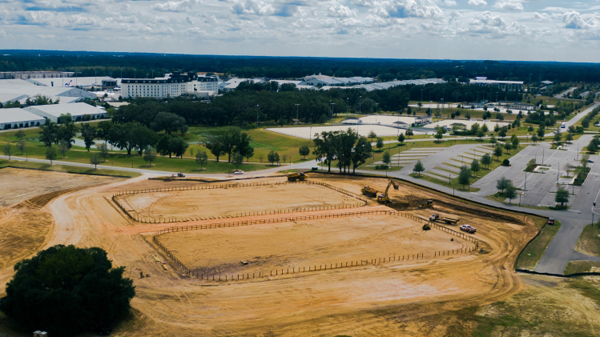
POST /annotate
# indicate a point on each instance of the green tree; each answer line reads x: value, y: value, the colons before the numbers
x: 439, y: 135
x: 7, y: 150
x: 102, y: 150
x: 498, y: 151
x: 387, y: 159
x: 20, y: 134
x: 169, y: 122
x: 502, y: 132
x: 273, y: 157
x: 88, y: 133
x: 530, y: 128
x: 361, y: 152
x: 510, y: 192
x: 562, y: 196
x: 149, y: 155
x: 21, y: 145
x: 534, y: 139
x: 493, y: 140
x: 64, y: 290
x: 63, y: 147
x: 475, y: 167
x: 557, y: 137
x: 238, y: 159
x: 304, y: 151
x: 541, y: 132
x: 372, y: 135
x: 201, y: 158
x: 485, y: 128
x: 480, y: 134
x: 95, y: 159
x: 569, y: 137
x: 379, y: 143
x: 215, y: 145
x: 178, y: 146
x: 325, y: 147
x: 486, y: 160
x: 419, y: 168
x: 502, y: 184
x: 515, y: 143
x: 507, y: 147
x: 401, y: 138
x: 51, y: 154
x: 464, y: 177
x: 48, y: 133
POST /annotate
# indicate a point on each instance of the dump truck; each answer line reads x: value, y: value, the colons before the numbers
x: 369, y: 191
x: 426, y: 204
x: 384, y: 198
x: 296, y: 176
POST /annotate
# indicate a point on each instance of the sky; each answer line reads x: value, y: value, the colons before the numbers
x: 528, y: 30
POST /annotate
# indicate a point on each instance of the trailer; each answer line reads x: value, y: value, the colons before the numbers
x: 450, y: 221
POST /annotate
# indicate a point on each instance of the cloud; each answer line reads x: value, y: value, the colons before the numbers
x: 338, y: 10
x: 574, y: 20
x: 175, y: 6
x: 513, y: 6
x: 494, y: 25
x: 406, y: 9
x: 477, y: 3
x: 241, y: 7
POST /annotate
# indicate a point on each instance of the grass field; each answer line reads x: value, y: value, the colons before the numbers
x: 66, y: 169
x: 575, y: 267
x: 532, y: 254
x: 589, y: 241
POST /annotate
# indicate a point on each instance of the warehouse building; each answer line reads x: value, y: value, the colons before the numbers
x: 502, y: 85
x: 324, y: 80
x: 78, y: 111
x: 16, y: 118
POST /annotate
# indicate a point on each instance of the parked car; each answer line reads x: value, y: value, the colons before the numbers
x: 551, y: 221
x: 237, y: 172
x: 468, y: 229
x: 590, y: 161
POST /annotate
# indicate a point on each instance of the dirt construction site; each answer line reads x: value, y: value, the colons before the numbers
x: 269, y: 258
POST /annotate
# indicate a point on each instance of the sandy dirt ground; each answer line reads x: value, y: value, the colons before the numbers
x: 363, y: 301
x: 232, y: 201
x: 17, y: 185
x: 305, y: 243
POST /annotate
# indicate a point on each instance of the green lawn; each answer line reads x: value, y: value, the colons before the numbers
x: 589, y: 241
x: 68, y: 169
x: 532, y: 254
x: 576, y: 267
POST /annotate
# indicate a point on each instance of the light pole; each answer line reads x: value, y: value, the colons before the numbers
x: 360, y: 105
x: 257, y: 116
x: 525, y: 181
x: 297, y: 120
x: 348, y: 105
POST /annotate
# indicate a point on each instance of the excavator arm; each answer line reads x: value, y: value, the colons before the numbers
x: 383, y: 198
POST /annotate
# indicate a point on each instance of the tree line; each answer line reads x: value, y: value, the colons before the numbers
x: 344, y: 147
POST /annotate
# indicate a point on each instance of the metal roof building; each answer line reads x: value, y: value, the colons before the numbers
x: 79, y: 111
x: 16, y: 118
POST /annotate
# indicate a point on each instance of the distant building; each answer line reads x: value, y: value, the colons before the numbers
x: 24, y: 75
x: 546, y: 85
x: 173, y: 85
x: 502, y: 85
x: 79, y: 111
x: 109, y: 84
x: 324, y: 80
x: 16, y: 118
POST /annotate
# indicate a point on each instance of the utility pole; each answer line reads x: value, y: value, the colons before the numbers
x: 297, y: 120
x: 257, y: 116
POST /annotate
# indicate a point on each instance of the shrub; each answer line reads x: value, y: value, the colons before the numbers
x: 506, y: 162
x: 381, y: 167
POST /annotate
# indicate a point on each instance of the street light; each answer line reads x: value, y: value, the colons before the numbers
x: 360, y: 105
x: 257, y: 116
x: 297, y: 120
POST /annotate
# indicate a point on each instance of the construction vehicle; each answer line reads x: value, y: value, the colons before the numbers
x: 426, y: 227
x: 426, y: 204
x: 451, y: 221
x: 178, y: 175
x: 369, y: 191
x: 296, y: 176
x: 434, y: 217
x: 384, y: 198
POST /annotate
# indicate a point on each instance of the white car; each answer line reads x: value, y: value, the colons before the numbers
x: 237, y: 172
x: 468, y: 229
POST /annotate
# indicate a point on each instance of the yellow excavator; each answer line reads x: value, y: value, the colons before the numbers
x: 384, y: 198
x: 296, y: 176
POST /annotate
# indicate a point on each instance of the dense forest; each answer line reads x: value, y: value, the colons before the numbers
x: 144, y: 65
x: 263, y: 101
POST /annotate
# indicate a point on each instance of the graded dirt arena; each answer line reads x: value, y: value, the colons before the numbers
x: 399, y: 298
x: 232, y: 201
x: 305, y: 243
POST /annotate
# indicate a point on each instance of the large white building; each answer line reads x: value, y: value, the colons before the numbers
x: 16, y: 118
x: 502, y: 85
x: 173, y: 85
x: 79, y: 111
x: 20, y: 90
x: 324, y: 80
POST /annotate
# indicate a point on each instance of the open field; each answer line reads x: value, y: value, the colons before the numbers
x: 589, y: 241
x: 18, y: 185
x: 232, y: 201
x: 305, y: 243
x: 458, y: 295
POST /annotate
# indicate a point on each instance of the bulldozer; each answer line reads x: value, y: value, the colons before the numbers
x: 296, y: 176
x: 426, y: 204
x: 369, y: 191
x: 384, y: 198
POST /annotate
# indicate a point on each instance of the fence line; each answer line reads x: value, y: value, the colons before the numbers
x: 225, y: 186
x: 350, y: 264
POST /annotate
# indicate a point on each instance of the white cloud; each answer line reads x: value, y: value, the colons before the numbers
x: 175, y: 6
x: 252, y: 7
x: 338, y: 10
x: 574, y: 20
x: 406, y: 9
x: 514, y: 6
x: 477, y: 3
x: 494, y: 26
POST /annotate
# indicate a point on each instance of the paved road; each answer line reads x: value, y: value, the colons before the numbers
x: 564, y: 93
